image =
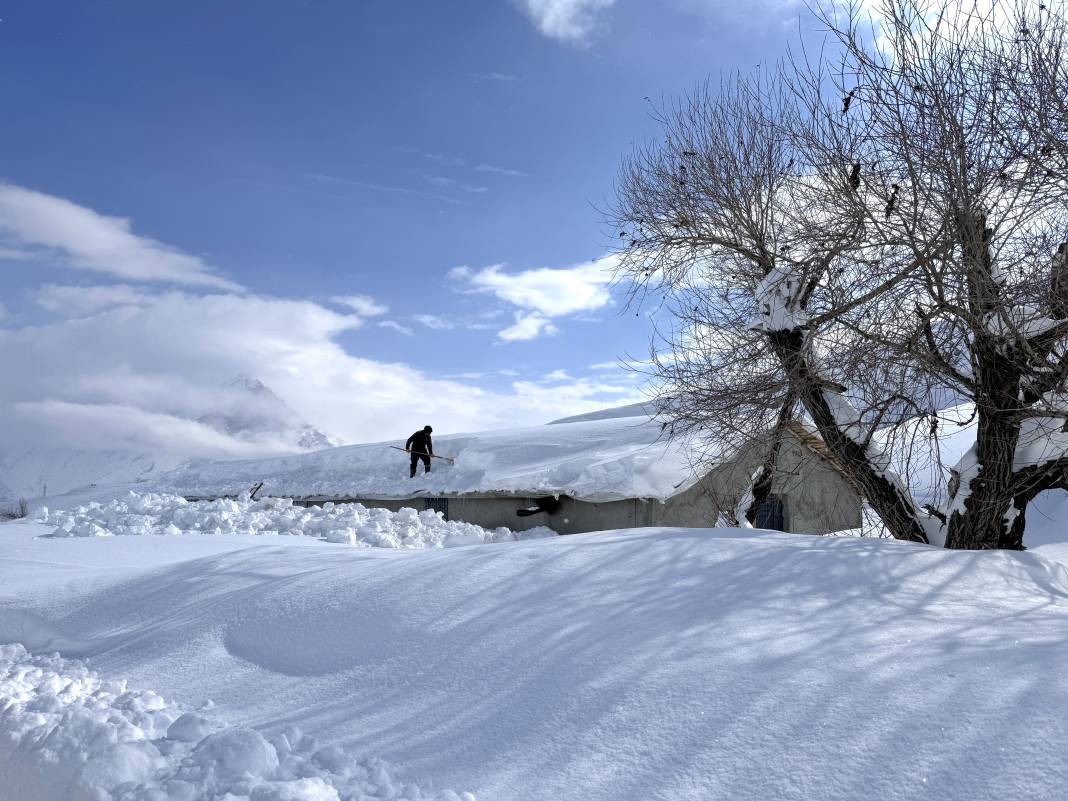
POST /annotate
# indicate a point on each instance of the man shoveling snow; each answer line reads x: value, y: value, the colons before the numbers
x: 420, y: 446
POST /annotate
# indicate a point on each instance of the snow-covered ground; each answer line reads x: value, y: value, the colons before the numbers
x: 631, y: 666
x: 43, y: 471
x: 354, y: 524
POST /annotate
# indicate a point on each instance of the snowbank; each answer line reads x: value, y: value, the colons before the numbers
x: 66, y: 734
x: 349, y: 523
x: 593, y: 460
x: 645, y: 665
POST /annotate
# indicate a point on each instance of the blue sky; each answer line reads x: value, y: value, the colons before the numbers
x: 445, y: 162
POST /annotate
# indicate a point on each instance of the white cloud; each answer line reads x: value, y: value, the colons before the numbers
x: 73, y: 301
x: 135, y: 375
x: 395, y: 326
x: 527, y: 326
x: 323, y: 178
x: 543, y: 293
x: 500, y: 170
x: 106, y: 426
x: 75, y: 236
x: 16, y: 254
x: 363, y: 305
x: 434, y: 322
x: 570, y: 21
x: 551, y: 291
x: 441, y: 180
x: 496, y: 77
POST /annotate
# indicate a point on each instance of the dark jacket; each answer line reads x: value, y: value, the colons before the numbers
x: 420, y: 442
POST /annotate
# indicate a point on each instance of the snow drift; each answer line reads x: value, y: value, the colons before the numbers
x: 350, y: 523
x: 66, y: 734
x: 645, y: 665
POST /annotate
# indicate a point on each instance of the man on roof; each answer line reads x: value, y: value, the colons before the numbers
x: 420, y: 447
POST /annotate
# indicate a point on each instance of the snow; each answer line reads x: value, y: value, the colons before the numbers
x: 43, y: 471
x: 927, y: 460
x: 778, y: 297
x: 351, y: 523
x: 595, y: 460
x: 630, y: 410
x: 1022, y: 321
x: 1047, y: 526
x: 1042, y: 439
x: 66, y: 733
x: 641, y: 665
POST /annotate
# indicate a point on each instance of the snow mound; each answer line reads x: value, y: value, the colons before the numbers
x: 348, y: 523
x: 68, y: 735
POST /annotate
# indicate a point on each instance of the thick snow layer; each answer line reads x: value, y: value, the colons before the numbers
x: 1022, y: 321
x: 349, y: 523
x: 630, y: 410
x: 596, y: 460
x: 66, y: 734
x: 778, y: 301
x: 644, y: 665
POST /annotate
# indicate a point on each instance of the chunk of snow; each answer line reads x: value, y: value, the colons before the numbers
x: 778, y: 298
x: 68, y: 735
x: 348, y: 523
x: 1024, y: 321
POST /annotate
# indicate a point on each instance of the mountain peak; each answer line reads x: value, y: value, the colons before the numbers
x: 250, y: 409
x: 249, y: 384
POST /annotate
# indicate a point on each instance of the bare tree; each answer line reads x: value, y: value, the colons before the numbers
x: 16, y: 511
x: 873, y: 237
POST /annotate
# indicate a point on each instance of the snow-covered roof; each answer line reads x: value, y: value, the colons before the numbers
x: 594, y: 460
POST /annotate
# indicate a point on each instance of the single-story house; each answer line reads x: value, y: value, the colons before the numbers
x: 601, y: 471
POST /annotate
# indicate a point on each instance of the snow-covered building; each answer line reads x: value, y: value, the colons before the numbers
x: 588, y: 473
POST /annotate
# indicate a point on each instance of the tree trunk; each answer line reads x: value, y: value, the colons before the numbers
x: 1030, y: 482
x: 761, y: 488
x: 892, y: 504
x: 762, y: 483
x: 992, y: 490
x: 982, y: 521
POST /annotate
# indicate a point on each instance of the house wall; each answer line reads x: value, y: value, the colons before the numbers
x: 573, y: 517
x: 817, y: 499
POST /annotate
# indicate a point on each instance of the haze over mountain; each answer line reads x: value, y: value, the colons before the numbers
x: 254, y: 411
x: 252, y: 418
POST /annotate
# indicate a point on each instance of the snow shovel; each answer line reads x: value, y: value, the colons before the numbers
x: 448, y: 459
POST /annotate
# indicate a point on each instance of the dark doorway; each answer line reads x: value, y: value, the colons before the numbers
x: 771, y: 514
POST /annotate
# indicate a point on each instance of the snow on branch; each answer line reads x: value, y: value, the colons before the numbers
x: 778, y: 297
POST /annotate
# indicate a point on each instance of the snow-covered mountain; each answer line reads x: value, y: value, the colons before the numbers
x: 246, y: 411
x: 251, y: 410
